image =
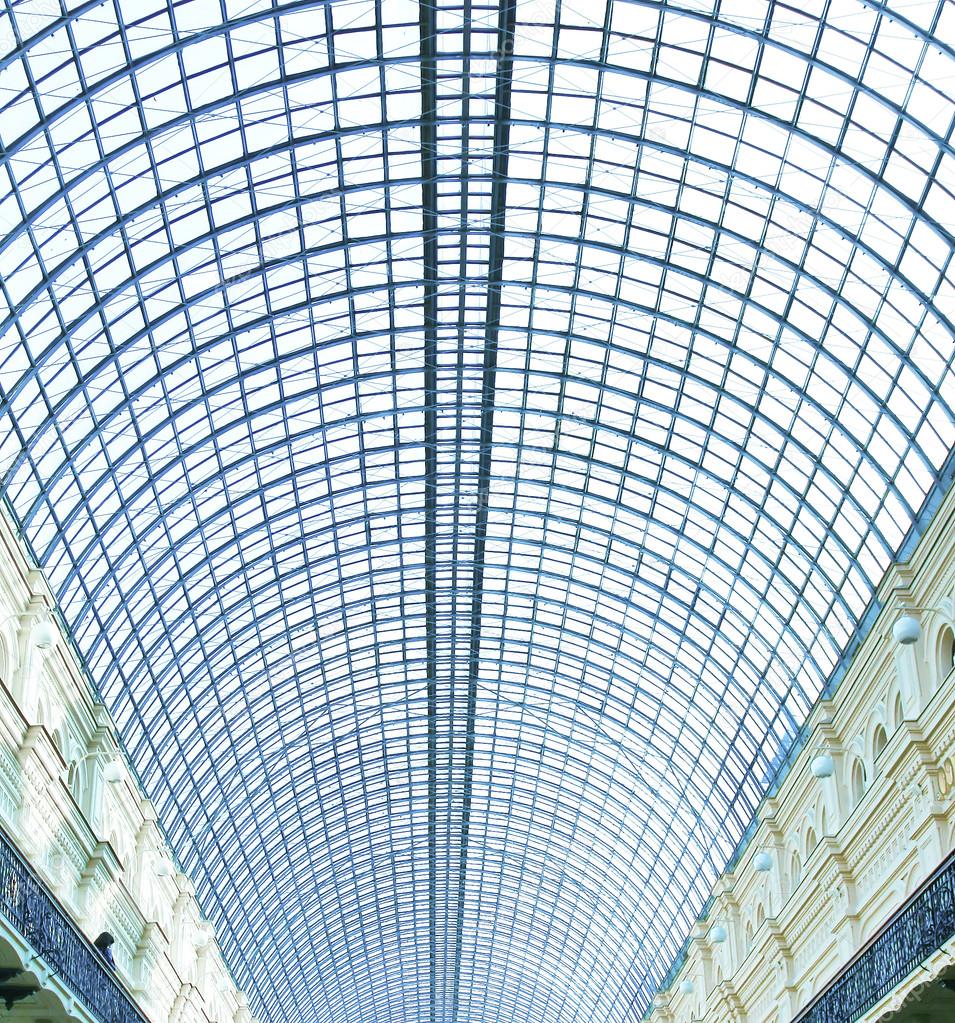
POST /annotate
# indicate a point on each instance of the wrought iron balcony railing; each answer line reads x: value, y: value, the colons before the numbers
x: 917, y: 930
x: 35, y: 913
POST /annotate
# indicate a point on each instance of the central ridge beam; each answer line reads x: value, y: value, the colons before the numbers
x: 502, y: 124
x: 429, y: 202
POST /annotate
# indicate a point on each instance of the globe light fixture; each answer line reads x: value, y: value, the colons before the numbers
x: 44, y: 634
x: 762, y: 862
x: 112, y: 771
x: 822, y: 766
x: 906, y: 630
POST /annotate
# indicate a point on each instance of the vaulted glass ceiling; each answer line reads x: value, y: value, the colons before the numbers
x: 463, y: 440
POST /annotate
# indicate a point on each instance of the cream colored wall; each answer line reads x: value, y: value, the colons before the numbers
x: 95, y: 844
x: 842, y: 864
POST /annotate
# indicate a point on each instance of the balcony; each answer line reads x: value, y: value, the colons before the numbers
x: 917, y: 930
x: 30, y: 908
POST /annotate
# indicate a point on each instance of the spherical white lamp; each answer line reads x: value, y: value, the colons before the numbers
x: 822, y: 766
x: 113, y: 772
x: 906, y: 630
x: 762, y: 862
x: 162, y: 869
x: 686, y: 987
x: 718, y: 934
x: 44, y: 635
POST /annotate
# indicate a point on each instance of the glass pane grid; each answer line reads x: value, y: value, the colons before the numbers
x: 463, y: 440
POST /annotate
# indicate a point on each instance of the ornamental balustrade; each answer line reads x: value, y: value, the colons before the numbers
x: 35, y: 913
x: 917, y: 930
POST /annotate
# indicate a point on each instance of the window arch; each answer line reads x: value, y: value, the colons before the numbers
x: 795, y: 871
x: 119, y: 840
x: 61, y: 742
x: 44, y: 713
x: 897, y: 711
x: 70, y: 752
x: 78, y: 782
x: 879, y: 741
x: 946, y: 653
x: 7, y: 659
x: 811, y: 841
x: 857, y: 781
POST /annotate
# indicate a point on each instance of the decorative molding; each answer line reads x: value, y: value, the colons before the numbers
x: 873, y: 853
x: 69, y: 851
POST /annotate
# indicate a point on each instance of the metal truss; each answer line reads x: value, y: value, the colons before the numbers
x: 464, y: 440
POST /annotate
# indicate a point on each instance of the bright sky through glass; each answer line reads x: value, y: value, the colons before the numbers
x: 463, y: 440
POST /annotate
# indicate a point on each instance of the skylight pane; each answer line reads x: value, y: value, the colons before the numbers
x: 444, y: 428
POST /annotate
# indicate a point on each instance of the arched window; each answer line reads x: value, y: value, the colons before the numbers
x: 858, y: 780
x: 59, y: 741
x: 897, y: 711
x: 811, y: 841
x: 44, y: 713
x: 6, y: 661
x: 760, y: 916
x: 749, y: 935
x: 879, y: 742
x: 795, y: 871
x: 946, y: 653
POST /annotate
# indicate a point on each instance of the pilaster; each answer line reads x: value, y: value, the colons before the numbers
x: 242, y: 1012
x: 102, y: 869
x: 148, y: 952
x: 26, y: 679
x: 31, y: 823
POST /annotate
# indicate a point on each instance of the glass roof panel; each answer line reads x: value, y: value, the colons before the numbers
x: 464, y: 440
